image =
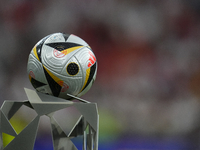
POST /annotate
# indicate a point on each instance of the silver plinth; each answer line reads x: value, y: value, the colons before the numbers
x: 46, y: 105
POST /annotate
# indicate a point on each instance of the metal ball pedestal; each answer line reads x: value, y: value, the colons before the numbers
x: 47, y: 105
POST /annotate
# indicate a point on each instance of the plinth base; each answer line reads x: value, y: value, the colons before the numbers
x: 87, y: 125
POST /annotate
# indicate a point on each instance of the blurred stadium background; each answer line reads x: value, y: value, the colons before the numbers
x: 148, y: 52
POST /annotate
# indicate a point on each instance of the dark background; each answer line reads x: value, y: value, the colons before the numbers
x: 148, y: 52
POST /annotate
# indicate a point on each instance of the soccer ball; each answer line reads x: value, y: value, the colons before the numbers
x: 61, y: 64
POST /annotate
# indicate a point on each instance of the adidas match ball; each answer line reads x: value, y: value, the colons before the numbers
x: 61, y: 64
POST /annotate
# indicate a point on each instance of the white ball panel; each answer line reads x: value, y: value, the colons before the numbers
x: 86, y: 89
x: 75, y: 39
x: 83, y: 57
x: 73, y: 86
x: 50, y: 61
x: 36, y: 67
x: 57, y: 37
